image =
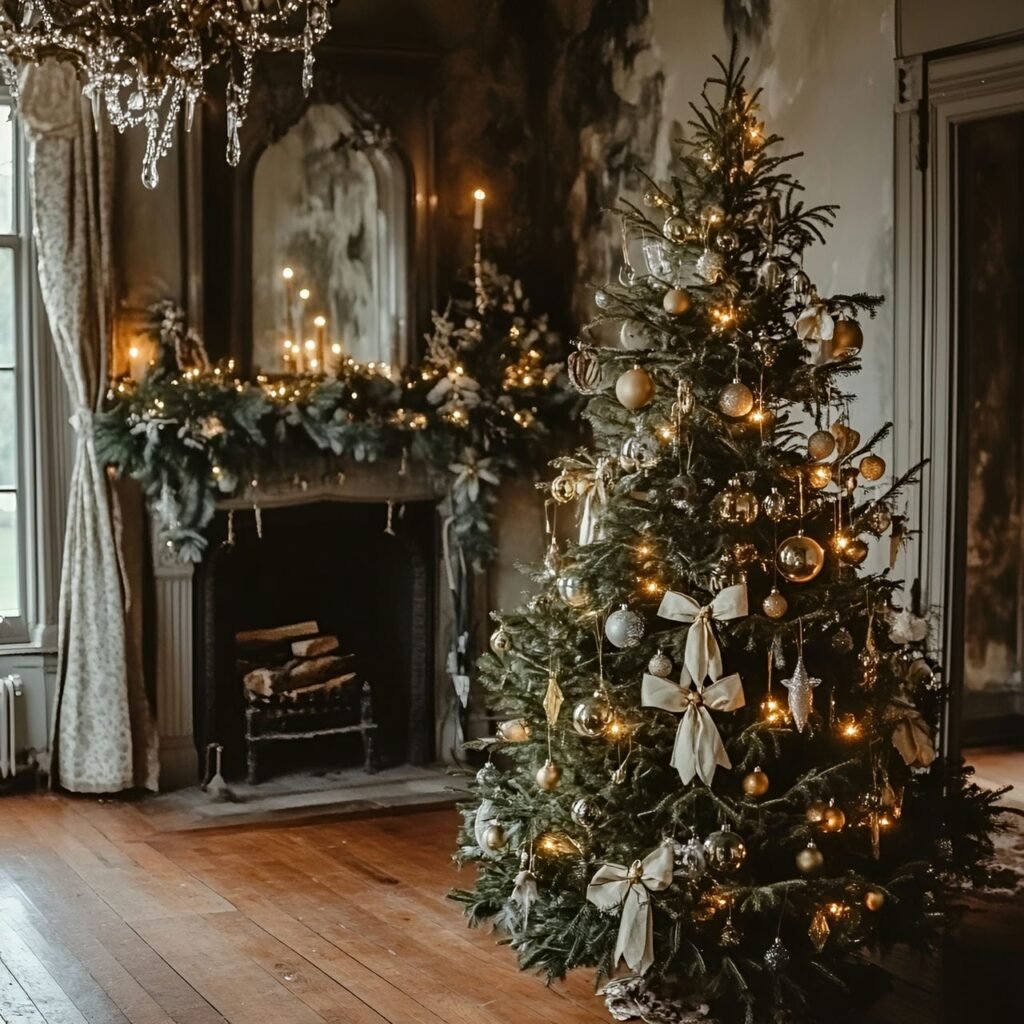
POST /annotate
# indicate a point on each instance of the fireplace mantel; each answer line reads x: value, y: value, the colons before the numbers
x: 313, y: 482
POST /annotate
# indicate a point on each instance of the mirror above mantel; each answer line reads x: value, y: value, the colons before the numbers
x: 334, y: 188
x: 330, y: 245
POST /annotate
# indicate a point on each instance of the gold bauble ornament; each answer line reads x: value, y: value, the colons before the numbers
x: 635, y: 388
x: 810, y: 860
x: 756, y: 783
x: 874, y: 899
x: 549, y: 775
x: 846, y: 437
x: 833, y: 819
x: 515, y: 730
x: 677, y: 301
x: 800, y: 558
x: 736, y: 399
x: 584, y: 370
x: 847, y: 339
x: 815, y: 813
x: 819, y: 475
x: 563, y: 488
x: 855, y: 552
x: 725, y: 851
x: 494, y: 837
x: 872, y: 467
x: 775, y: 604
x: 821, y: 444
x: 735, y: 505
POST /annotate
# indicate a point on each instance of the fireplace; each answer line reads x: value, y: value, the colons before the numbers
x: 335, y: 565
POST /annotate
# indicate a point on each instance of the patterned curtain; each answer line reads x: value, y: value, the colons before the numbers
x: 104, y: 735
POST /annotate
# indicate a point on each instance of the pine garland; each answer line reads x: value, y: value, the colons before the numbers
x: 484, y: 403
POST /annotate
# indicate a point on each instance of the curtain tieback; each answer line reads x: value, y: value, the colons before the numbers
x: 81, y: 420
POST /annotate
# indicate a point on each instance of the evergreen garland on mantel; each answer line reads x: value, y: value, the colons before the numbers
x: 483, y: 403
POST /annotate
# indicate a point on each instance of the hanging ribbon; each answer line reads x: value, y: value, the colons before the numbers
x: 593, y: 489
x: 912, y: 736
x: 698, y: 749
x: 629, y: 889
x: 525, y: 893
x: 703, y: 656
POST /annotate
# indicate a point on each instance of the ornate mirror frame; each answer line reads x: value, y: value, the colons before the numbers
x: 390, y: 88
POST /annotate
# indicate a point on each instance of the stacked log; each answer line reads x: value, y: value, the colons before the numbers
x: 292, y: 662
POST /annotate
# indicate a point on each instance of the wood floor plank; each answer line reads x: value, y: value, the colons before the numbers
x: 51, y: 1001
x: 15, y: 1005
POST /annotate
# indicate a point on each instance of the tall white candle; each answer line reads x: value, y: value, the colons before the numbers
x: 478, y: 209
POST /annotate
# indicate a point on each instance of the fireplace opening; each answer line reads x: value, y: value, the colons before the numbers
x: 318, y: 622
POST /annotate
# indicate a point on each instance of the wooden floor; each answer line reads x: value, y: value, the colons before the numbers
x: 105, y: 918
x: 115, y: 912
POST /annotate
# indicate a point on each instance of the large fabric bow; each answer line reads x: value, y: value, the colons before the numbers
x: 698, y: 749
x: 630, y: 888
x: 912, y: 736
x: 703, y: 656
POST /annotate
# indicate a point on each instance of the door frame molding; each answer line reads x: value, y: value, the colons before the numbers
x: 935, y: 96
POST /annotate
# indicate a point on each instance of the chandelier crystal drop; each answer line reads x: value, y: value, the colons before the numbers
x: 145, y: 61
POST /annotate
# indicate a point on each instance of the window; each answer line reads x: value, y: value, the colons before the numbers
x: 13, y: 382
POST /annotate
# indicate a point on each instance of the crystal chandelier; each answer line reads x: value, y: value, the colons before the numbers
x: 145, y: 60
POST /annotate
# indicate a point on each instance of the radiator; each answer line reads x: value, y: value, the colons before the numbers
x: 10, y: 688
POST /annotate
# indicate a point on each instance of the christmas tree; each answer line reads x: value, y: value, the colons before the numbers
x: 717, y: 779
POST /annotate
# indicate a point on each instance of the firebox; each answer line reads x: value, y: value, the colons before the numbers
x: 320, y: 616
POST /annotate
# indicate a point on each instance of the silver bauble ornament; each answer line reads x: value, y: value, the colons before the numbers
x: 800, y: 558
x: 548, y: 776
x: 675, y: 229
x: 494, y: 837
x: 660, y: 665
x: 640, y: 451
x: 769, y: 275
x: 735, y: 399
x: 775, y: 604
x: 571, y: 591
x: 635, y: 388
x: 727, y: 240
x: 725, y: 851
x: 585, y: 812
x: 776, y: 957
x: 602, y: 299
x: 488, y: 774
x: 676, y: 301
x: 501, y: 642
x: 710, y: 266
x: 683, y: 492
x: 690, y: 861
x: 801, y: 284
x: 634, y: 336
x: 624, y: 628
x: 592, y: 716
x: 655, y: 198
x: 842, y: 641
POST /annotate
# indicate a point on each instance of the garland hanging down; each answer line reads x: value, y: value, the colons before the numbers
x: 482, y: 403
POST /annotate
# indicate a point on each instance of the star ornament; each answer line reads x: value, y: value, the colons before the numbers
x: 801, y: 694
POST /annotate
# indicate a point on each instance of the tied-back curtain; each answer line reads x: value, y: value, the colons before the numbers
x: 104, y: 736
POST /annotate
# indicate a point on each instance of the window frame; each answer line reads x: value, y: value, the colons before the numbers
x: 16, y: 630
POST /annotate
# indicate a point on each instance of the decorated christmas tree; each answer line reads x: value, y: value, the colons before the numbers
x: 717, y: 777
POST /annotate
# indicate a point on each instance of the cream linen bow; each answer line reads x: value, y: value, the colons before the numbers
x: 698, y: 749
x: 912, y: 736
x: 630, y: 888
x: 703, y: 656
